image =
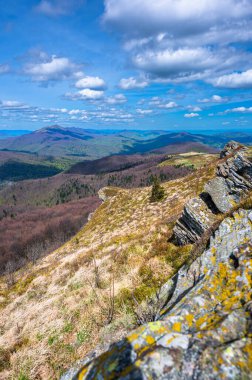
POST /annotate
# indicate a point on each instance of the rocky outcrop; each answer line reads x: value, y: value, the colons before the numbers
x: 230, y: 148
x: 205, y: 329
x: 234, y: 178
x: 232, y: 182
x: 106, y: 193
x: 195, y: 221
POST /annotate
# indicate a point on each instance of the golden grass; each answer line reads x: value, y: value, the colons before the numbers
x: 53, y: 307
x: 190, y: 159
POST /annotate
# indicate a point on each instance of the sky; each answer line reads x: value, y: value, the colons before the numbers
x: 120, y: 64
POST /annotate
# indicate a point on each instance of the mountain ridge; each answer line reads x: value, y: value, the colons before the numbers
x: 88, y: 144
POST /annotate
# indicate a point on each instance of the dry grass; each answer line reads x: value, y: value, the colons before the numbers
x: 190, y: 159
x: 52, y: 305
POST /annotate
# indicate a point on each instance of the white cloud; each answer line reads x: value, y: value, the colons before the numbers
x: 12, y: 104
x: 194, y: 108
x: 175, y: 41
x: 52, y: 69
x: 86, y: 94
x: 145, y: 17
x: 75, y: 112
x: 235, y: 80
x: 57, y: 7
x: 214, y: 99
x: 91, y: 83
x: 191, y: 115
x: 60, y: 110
x: 181, y: 64
x: 117, y: 99
x: 155, y: 101
x: 132, y: 83
x: 239, y: 110
x: 4, y: 69
x: 144, y: 112
x: 168, y: 105
x: 162, y: 103
x: 95, y: 95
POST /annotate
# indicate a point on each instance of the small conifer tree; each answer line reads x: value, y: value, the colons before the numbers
x: 157, y: 191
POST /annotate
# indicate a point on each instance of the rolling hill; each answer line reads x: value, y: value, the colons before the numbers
x: 74, y: 142
x: 79, y: 144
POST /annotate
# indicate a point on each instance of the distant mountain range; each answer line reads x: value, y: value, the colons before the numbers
x: 79, y: 144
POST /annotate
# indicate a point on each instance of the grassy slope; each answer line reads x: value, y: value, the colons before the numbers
x: 51, y: 316
x: 190, y: 159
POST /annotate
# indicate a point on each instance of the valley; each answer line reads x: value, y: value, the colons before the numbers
x: 70, y: 187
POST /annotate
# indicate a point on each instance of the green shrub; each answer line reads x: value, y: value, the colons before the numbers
x: 157, y: 191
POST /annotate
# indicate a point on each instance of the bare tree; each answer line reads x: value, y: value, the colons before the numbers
x: 34, y: 252
x: 10, y: 273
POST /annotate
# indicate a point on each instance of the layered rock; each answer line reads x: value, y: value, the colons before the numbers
x: 230, y: 148
x: 195, y: 221
x: 232, y: 182
x: 234, y: 178
x: 204, y: 331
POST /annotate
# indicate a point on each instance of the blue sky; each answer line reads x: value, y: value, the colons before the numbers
x: 142, y: 64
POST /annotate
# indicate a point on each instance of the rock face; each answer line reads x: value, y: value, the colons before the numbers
x: 205, y: 330
x: 233, y: 180
x: 195, y: 221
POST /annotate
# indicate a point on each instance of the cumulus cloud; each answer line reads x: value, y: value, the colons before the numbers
x: 239, y: 110
x: 168, y: 105
x: 175, y: 63
x: 170, y: 41
x: 117, y: 99
x: 214, y: 99
x: 145, y: 17
x: 51, y: 69
x: 191, y: 115
x: 75, y: 112
x: 94, y: 83
x: 85, y: 94
x: 57, y: 7
x: 132, y: 83
x: 4, y: 69
x: 234, y: 80
x: 162, y: 103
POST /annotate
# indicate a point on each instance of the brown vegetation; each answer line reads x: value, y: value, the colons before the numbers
x: 33, y: 232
